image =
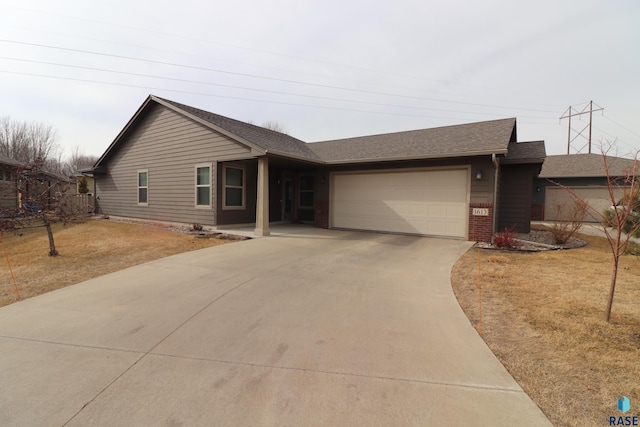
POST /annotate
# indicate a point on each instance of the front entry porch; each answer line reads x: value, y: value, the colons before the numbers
x: 287, y: 192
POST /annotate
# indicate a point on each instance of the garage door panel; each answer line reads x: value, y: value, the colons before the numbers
x: 417, y: 202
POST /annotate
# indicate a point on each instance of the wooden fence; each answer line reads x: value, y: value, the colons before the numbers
x: 77, y: 204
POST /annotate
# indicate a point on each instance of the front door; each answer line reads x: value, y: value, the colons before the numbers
x: 288, y: 199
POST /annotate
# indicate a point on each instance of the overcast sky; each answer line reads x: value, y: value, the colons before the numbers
x: 325, y: 69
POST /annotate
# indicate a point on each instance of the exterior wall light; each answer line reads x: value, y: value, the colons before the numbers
x: 479, y: 175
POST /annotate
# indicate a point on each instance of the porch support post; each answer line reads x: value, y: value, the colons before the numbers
x: 262, y: 205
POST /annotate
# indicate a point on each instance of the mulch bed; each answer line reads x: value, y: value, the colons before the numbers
x: 536, y: 241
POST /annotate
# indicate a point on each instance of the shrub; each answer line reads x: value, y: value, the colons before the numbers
x: 632, y: 222
x: 197, y: 227
x: 83, y: 186
x: 573, y: 217
x: 506, y: 239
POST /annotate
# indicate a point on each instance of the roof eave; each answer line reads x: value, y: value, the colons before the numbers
x: 295, y: 157
x: 144, y: 106
x: 210, y: 125
x: 124, y: 130
x: 505, y: 161
x: 423, y: 157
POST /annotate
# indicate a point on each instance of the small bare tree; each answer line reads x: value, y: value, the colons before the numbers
x: 34, y: 197
x: 618, y: 227
x: 618, y: 222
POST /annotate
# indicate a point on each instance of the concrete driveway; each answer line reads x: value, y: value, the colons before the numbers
x: 312, y: 328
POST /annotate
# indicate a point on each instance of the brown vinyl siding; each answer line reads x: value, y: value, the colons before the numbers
x: 238, y: 216
x: 8, y: 195
x: 514, y: 206
x: 169, y: 146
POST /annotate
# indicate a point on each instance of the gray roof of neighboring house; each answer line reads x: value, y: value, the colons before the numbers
x: 525, y: 152
x: 4, y: 160
x: 583, y: 165
x: 448, y: 141
x: 9, y: 161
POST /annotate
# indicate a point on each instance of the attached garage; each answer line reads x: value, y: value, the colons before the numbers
x: 431, y: 202
x: 559, y: 202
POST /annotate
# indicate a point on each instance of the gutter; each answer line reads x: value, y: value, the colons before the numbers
x: 437, y: 156
x: 294, y: 157
x: 496, y: 164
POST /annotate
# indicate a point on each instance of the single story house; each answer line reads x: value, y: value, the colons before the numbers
x: 583, y: 175
x: 86, y: 173
x: 8, y: 187
x: 18, y: 192
x: 175, y: 163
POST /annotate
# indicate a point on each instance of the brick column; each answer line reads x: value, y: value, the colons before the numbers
x: 481, y: 226
x: 321, y: 218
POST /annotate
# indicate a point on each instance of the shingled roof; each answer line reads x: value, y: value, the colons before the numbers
x: 269, y: 140
x: 525, y: 152
x: 583, y: 165
x: 449, y: 141
x: 9, y: 161
x: 473, y: 139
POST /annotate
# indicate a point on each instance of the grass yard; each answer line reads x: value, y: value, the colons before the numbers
x: 543, y: 318
x: 88, y: 249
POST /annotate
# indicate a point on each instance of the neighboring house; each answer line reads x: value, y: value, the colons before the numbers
x: 85, y: 172
x: 583, y: 175
x: 8, y: 187
x: 14, y: 194
x: 176, y: 163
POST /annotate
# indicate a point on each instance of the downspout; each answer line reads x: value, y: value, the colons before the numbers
x: 494, y: 159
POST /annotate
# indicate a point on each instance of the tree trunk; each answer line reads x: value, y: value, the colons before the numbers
x: 52, y: 245
x: 614, y: 277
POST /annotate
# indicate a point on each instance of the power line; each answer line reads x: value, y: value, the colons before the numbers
x: 623, y: 127
x: 226, y: 96
x: 251, y: 49
x: 575, y: 112
x: 268, y: 78
x: 250, y: 89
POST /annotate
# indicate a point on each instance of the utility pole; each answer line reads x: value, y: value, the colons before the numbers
x: 573, y: 112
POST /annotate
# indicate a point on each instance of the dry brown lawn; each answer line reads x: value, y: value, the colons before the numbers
x: 543, y: 317
x: 87, y: 249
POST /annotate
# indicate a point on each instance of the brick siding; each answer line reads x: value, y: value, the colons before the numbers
x: 321, y: 218
x: 480, y: 227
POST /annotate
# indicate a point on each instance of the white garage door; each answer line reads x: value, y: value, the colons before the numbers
x: 432, y: 202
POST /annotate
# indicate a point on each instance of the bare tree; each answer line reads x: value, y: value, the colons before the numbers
x: 27, y: 142
x: 619, y: 223
x: 275, y: 126
x: 34, y: 197
x: 77, y: 160
x: 622, y: 210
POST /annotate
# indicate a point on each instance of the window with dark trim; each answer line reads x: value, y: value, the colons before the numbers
x: 203, y: 186
x: 234, y: 187
x: 306, y: 191
x: 143, y: 188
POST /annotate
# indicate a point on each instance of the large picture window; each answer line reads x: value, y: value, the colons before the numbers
x: 306, y: 191
x: 203, y: 186
x: 143, y: 188
x: 234, y: 187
